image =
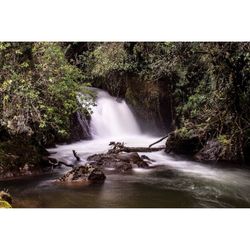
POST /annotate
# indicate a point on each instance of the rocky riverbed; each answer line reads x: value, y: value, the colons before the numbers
x: 93, y: 171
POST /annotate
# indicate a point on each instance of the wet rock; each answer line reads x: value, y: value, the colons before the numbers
x: 121, y: 166
x: 120, y: 161
x: 4, y: 204
x: 180, y: 144
x: 212, y: 151
x: 144, y: 157
x: 26, y: 170
x: 86, y: 173
x: 147, y: 159
x: 5, y: 200
x: 99, y: 157
x: 6, y: 196
x: 79, y: 127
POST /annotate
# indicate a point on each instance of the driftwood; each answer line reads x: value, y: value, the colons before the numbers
x: 55, y: 163
x: 119, y: 147
x: 141, y: 149
x: 76, y: 155
x: 165, y: 137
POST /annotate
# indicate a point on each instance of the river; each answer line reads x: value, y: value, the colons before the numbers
x: 171, y: 182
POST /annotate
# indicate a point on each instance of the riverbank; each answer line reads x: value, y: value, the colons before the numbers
x: 169, y: 182
x: 20, y: 156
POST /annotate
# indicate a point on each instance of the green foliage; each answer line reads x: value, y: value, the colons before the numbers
x: 224, y: 140
x: 4, y: 204
x: 207, y: 86
x: 209, y: 83
x: 108, y: 58
x: 38, y: 89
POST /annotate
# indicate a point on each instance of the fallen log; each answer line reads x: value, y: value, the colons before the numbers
x: 141, y: 149
x: 55, y: 163
x: 119, y: 147
x: 165, y: 137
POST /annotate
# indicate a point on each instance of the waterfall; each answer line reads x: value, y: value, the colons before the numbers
x: 112, y: 118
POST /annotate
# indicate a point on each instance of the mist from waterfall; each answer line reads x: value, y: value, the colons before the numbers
x: 112, y: 118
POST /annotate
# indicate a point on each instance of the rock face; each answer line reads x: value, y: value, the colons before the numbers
x: 79, y: 127
x: 120, y: 161
x: 212, y: 151
x: 86, y: 173
x: 151, y: 102
x: 183, y: 145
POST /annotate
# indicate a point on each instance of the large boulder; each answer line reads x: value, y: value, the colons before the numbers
x: 86, y: 173
x: 186, y: 143
x: 212, y: 151
x: 121, y: 161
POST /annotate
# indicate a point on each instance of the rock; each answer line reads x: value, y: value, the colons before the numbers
x: 26, y: 170
x: 129, y: 157
x: 120, y: 161
x: 144, y: 157
x: 121, y: 166
x: 6, y: 196
x: 96, y: 175
x: 86, y: 173
x: 212, y: 151
x: 79, y: 127
x: 186, y: 145
x: 99, y: 157
x: 147, y: 159
x: 5, y: 200
x: 4, y: 204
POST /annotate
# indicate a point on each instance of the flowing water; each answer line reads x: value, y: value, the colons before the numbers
x: 171, y: 182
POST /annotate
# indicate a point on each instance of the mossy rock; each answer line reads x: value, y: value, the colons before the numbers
x: 4, y: 204
x: 5, y: 196
x: 183, y: 142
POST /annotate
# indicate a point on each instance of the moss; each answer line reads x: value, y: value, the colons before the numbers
x: 223, y: 139
x: 131, y: 97
x: 183, y: 132
x: 4, y: 204
x: 184, y: 141
x: 186, y: 133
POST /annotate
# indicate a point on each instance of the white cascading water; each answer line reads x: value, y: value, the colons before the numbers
x: 111, y: 118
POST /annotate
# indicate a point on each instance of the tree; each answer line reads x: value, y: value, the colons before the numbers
x: 38, y: 90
